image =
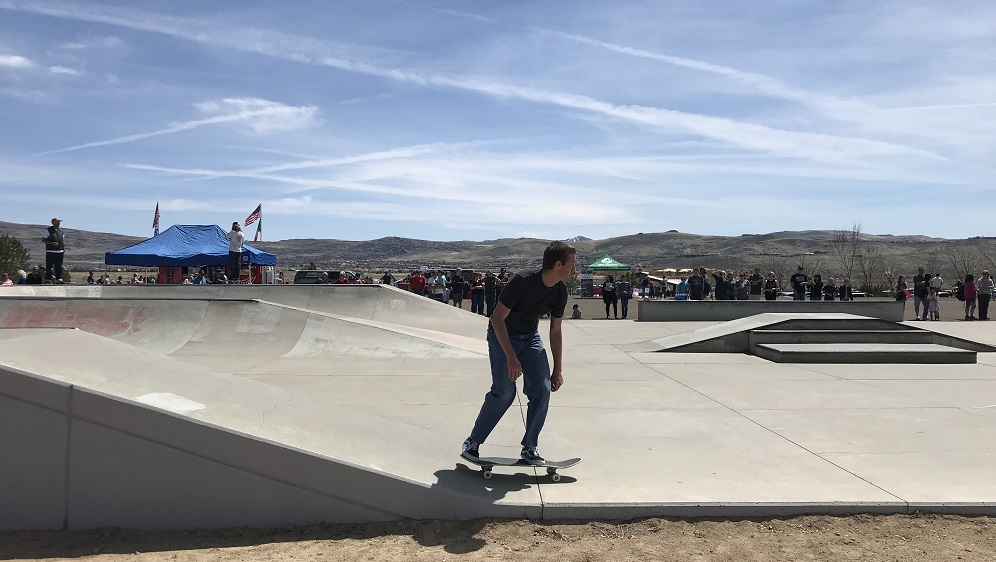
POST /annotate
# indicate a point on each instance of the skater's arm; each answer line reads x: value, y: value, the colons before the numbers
x: 557, y: 347
x: 501, y: 332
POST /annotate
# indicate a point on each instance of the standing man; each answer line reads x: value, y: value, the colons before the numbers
x: 490, y: 293
x: 235, y: 241
x: 799, y: 281
x: 984, y: 286
x: 921, y: 288
x: 625, y: 290
x: 457, y: 288
x: 55, y: 252
x: 756, y: 284
x: 696, y: 285
x: 477, y: 294
x: 516, y: 349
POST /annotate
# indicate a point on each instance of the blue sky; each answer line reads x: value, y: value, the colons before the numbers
x: 449, y: 120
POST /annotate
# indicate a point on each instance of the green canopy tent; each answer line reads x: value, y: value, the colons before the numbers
x: 607, y: 263
x: 604, y: 263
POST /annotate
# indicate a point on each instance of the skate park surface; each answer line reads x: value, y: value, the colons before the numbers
x: 266, y: 406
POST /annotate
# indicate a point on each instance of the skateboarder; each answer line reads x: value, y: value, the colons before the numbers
x: 516, y: 349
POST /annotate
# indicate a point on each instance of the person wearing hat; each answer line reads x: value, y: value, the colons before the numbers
x: 235, y: 241
x: 799, y: 283
x: 55, y: 252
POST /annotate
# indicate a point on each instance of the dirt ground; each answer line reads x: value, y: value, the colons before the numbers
x: 923, y: 538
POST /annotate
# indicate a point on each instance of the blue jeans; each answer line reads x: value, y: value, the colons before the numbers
x: 536, y: 386
x: 625, y: 306
x: 798, y: 295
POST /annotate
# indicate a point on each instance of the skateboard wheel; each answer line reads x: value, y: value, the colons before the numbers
x: 555, y: 477
x: 487, y: 475
x: 551, y: 471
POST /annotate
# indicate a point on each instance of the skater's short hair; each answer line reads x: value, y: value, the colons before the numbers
x: 557, y: 251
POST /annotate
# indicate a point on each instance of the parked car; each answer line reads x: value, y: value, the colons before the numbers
x: 308, y: 277
x: 857, y: 294
x: 313, y: 276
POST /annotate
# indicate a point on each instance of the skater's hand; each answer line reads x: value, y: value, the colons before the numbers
x: 514, y: 368
x: 556, y: 380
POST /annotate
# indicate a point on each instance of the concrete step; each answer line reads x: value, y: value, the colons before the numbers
x: 841, y: 324
x: 862, y: 353
x: 841, y: 336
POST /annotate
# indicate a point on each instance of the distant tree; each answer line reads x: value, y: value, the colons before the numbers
x: 573, y: 283
x: 931, y: 262
x: 811, y: 264
x: 13, y: 255
x: 780, y: 265
x: 870, y: 267
x: 844, y: 247
x: 964, y: 260
x: 312, y: 266
x: 891, y: 273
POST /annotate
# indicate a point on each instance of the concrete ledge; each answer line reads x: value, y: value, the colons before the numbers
x: 829, y: 353
x: 722, y: 311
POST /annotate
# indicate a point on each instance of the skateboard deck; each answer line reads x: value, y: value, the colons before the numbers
x: 488, y: 463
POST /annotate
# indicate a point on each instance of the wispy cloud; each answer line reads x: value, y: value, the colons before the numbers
x: 107, y: 42
x: 445, y: 11
x: 258, y: 115
x: 15, y: 61
x: 64, y: 70
x: 944, y: 106
x: 593, y: 119
x: 821, y: 147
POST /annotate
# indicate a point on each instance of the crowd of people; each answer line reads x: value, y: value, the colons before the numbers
x: 482, y: 288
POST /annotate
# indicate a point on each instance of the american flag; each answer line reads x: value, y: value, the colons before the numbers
x: 155, y: 221
x: 254, y: 216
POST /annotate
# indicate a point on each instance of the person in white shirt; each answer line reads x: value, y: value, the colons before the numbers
x: 235, y: 241
x: 984, y: 285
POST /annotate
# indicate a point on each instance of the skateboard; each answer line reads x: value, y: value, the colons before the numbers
x: 488, y: 463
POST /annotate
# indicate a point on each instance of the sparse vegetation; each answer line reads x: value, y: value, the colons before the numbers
x: 13, y: 256
x: 866, y: 257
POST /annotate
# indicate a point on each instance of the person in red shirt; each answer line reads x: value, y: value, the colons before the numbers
x: 417, y: 283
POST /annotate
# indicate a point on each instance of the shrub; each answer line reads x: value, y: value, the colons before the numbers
x: 13, y: 256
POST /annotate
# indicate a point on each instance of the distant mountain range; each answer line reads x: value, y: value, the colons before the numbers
x: 777, y: 251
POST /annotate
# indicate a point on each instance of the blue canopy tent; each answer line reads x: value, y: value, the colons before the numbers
x: 190, y: 245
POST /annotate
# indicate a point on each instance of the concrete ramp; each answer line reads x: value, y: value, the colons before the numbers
x: 820, y: 338
x: 144, y: 440
x: 732, y: 336
x: 381, y: 303
x: 257, y: 412
x: 239, y: 328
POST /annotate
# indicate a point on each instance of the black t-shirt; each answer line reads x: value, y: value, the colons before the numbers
x: 695, y: 287
x: 756, y: 282
x: 490, y: 285
x: 528, y: 299
x: 798, y: 280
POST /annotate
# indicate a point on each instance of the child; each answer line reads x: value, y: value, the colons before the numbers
x: 576, y: 313
x: 933, y: 307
